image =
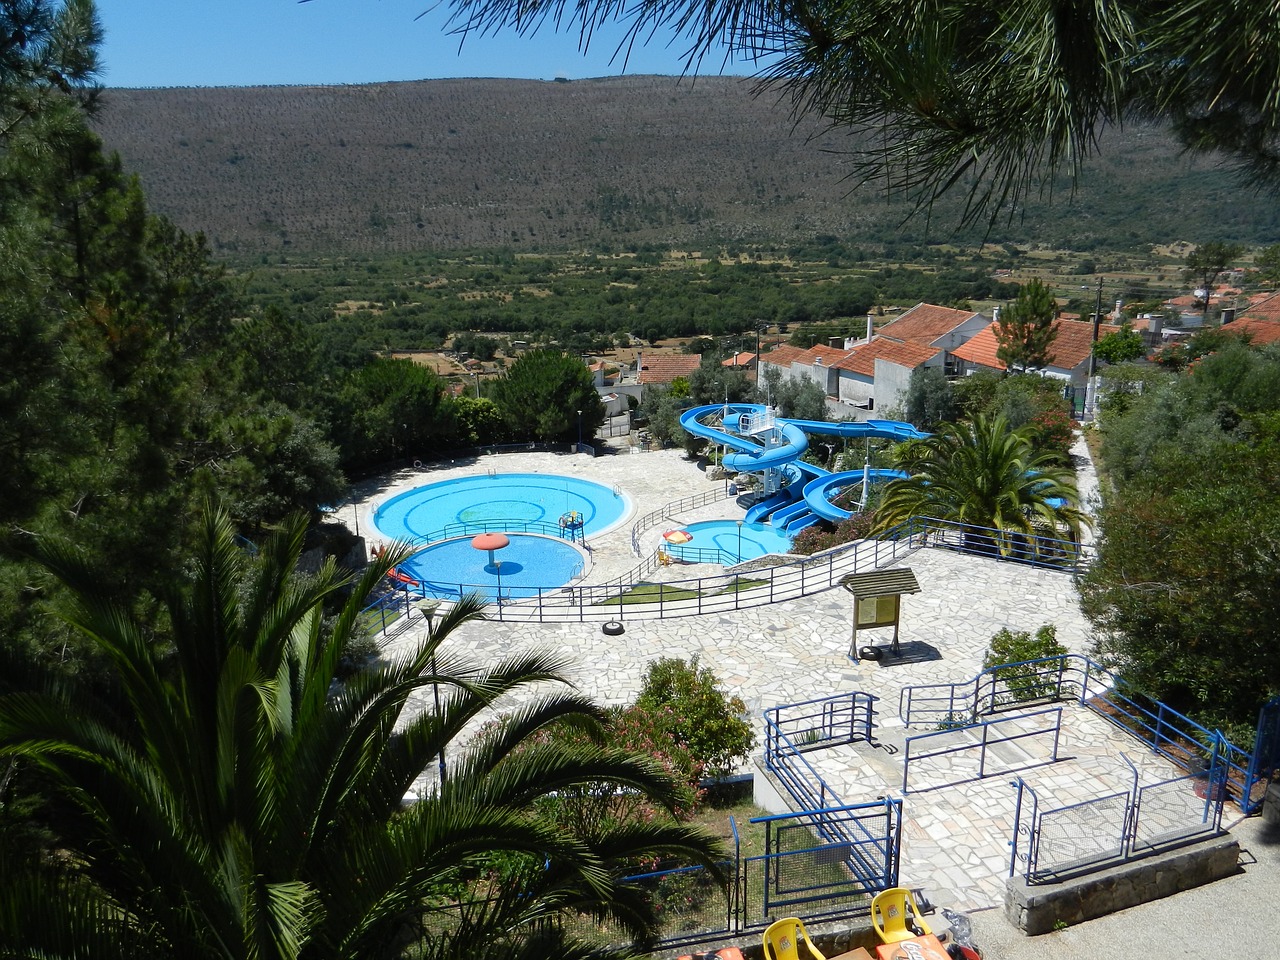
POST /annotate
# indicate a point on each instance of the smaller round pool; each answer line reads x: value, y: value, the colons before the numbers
x: 733, y: 543
x: 450, y: 568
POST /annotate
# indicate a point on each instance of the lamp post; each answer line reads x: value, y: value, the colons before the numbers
x: 427, y: 607
x: 497, y: 566
x: 579, y: 431
x: 739, y: 541
x: 476, y: 375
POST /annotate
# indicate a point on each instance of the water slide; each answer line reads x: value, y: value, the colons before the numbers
x: 780, y: 445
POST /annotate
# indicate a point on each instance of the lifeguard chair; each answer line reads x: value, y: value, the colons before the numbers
x: 571, y: 527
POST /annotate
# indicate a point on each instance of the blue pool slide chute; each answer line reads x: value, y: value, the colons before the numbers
x: 765, y: 443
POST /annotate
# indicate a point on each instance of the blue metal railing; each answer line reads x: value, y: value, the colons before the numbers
x: 1078, y: 838
x: 917, y: 748
x: 1074, y: 676
x: 790, y: 730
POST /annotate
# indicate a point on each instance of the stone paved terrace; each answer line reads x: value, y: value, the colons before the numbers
x: 954, y: 838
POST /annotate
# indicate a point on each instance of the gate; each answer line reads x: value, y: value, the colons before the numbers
x: 1266, y: 756
x: 827, y: 862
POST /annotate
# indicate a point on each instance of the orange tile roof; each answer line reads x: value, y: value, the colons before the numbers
x: 782, y: 355
x: 862, y: 359
x: 829, y: 356
x: 665, y: 367
x: 925, y: 322
x: 744, y: 359
x: 1258, y: 330
x: 1262, y: 308
x: 1070, y: 348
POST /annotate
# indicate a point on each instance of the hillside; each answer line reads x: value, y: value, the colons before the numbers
x: 535, y: 165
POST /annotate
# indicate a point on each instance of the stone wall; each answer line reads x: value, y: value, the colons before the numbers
x: 1039, y: 908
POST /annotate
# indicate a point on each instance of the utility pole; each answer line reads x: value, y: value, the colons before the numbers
x: 1097, y: 321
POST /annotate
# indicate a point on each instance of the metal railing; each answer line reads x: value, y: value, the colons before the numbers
x: 1075, y: 677
x: 793, y: 729
x: 664, y: 513
x: 990, y: 733
x: 1054, y: 844
x: 453, y: 531
x: 1037, y: 551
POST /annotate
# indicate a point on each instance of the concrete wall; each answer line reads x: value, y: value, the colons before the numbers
x: 1036, y: 909
x: 891, y: 385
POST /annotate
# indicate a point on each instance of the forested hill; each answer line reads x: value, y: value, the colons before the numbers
x: 548, y: 165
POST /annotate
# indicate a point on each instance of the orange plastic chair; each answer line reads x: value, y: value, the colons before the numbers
x: 782, y: 940
x: 894, y: 913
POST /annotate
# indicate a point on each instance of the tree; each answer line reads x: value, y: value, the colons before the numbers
x: 991, y: 98
x: 1025, y: 331
x: 928, y: 399
x: 1120, y: 347
x: 392, y: 409
x: 234, y: 803
x: 1206, y: 263
x: 709, y: 723
x: 987, y: 477
x: 1268, y: 263
x: 541, y: 396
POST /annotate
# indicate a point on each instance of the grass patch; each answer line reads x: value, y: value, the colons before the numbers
x: 742, y: 583
x: 649, y: 593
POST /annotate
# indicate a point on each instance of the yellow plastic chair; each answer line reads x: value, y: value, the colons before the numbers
x: 782, y: 940
x: 890, y: 910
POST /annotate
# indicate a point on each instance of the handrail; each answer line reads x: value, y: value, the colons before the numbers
x: 985, y: 726
x: 656, y: 517
x: 1077, y: 677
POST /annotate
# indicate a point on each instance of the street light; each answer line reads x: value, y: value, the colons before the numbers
x: 427, y: 607
x: 739, y: 541
x: 579, y: 430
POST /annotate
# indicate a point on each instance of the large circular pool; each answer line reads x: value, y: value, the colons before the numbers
x: 505, y: 502
x: 528, y: 507
x: 732, y: 542
x: 451, y: 568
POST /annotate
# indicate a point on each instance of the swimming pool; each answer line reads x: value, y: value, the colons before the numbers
x: 453, y: 567
x: 757, y: 539
x: 506, y: 502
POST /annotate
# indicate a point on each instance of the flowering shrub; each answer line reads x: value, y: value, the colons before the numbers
x: 689, y: 709
x: 1051, y: 431
x: 824, y: 536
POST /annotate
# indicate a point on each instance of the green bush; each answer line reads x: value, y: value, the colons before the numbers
x: 822, y: 536
x: 710, y: 724
x: 1024, y: 681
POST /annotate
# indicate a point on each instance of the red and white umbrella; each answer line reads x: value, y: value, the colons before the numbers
x: 677, y: 537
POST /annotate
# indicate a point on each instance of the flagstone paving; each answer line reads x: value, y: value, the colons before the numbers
x: 955, y: 838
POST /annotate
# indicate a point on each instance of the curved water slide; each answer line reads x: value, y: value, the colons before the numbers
x: 806, y: 499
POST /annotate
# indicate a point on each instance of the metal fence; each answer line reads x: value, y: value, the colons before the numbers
x: 1052, y: 844
x: 961, y: 753
x: 822, y: 863
x: 1074, y: 677
x: 663, y: 514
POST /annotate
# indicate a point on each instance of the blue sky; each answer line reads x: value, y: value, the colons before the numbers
x: 163, y: 43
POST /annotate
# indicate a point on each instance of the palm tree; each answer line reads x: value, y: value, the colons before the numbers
x: 986, y: 477
x: 235, y: 801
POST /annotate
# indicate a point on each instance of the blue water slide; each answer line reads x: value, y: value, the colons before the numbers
x: 758, y: 511
x: 783, y: 516
x: 751, y: 456
x: 817, y: 492
x: 875, y: 429
x: 800, y: 522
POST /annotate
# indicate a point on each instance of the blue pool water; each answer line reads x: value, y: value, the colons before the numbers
x: 505, y: 502
x: 453, y: 567
x: 757, y: 540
